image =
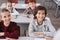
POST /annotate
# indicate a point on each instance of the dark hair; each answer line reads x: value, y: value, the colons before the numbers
x: 39, y: 8
x: 32, y: 1
x: 9, y: 1
x: 5, y: 10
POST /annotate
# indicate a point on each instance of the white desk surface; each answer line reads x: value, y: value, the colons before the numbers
x: 30, y: 38
x: 21, y: 19
x: 27, y: 38
x: 18, y: 5
x: 23, y: 6
x: 3, y: 39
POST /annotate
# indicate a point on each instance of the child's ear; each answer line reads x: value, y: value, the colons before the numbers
x: 0, y: 18
x: 35, y: 16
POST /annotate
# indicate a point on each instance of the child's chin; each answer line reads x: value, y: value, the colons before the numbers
x: 8, y: 22
x: 40, y: 18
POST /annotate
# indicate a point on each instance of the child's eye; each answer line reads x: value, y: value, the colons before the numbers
x: 8, y: 15
x: 39, y: 13
x: 4, y: 16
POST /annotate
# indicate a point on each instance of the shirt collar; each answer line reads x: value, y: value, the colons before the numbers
x: 37, y: 23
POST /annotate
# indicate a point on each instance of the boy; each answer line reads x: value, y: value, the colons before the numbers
x: 10, y: 8
x: 8, y: 29
x: 30, y: 11
x: 40, y: 26
x: 9, y: 5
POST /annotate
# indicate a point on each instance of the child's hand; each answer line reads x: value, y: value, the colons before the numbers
x: 38, y: 33
x: 1, y: 33
x: 48, y: 37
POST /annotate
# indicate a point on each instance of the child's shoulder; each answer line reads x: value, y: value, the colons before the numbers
x: 47, y: 19
x: 13, y: 23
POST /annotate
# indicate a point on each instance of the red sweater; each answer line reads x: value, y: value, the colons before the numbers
x: 12, y: 31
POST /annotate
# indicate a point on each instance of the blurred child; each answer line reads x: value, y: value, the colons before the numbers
x: 12, y: 10
x: 40, y: 26
x: 8, y: 29
x: 30, y: 11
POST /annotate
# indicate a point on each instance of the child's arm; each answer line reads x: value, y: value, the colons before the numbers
x: 38, y: 33
x: 26, y: 11
x: 15, y: 11
x: 15, y: 33
x: 51, y: 29
x: 32, y: 33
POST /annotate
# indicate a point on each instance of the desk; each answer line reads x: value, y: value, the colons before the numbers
x: 23, y: 22
x: 23, y: 6
x: 58, y: 4
x: 31, y: 38
x: 27, y: 38
x: 21, y: 19
x: 18, y: 5
x: 3, y: 39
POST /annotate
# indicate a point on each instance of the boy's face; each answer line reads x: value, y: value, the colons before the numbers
x: 40, y: 15
x: 9, y: 5
x: 32, y: 5
x: 6, y: 17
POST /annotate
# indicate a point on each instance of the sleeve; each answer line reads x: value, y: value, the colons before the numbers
x: 51, y: 29
x: 26, y: 11
x: 31, y: 29
x: 1, y: 27
x: 48, y: 19
x: 15, y: 33
x: 15, y: 12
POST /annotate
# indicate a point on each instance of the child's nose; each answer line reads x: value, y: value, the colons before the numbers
x: 7, y: 18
